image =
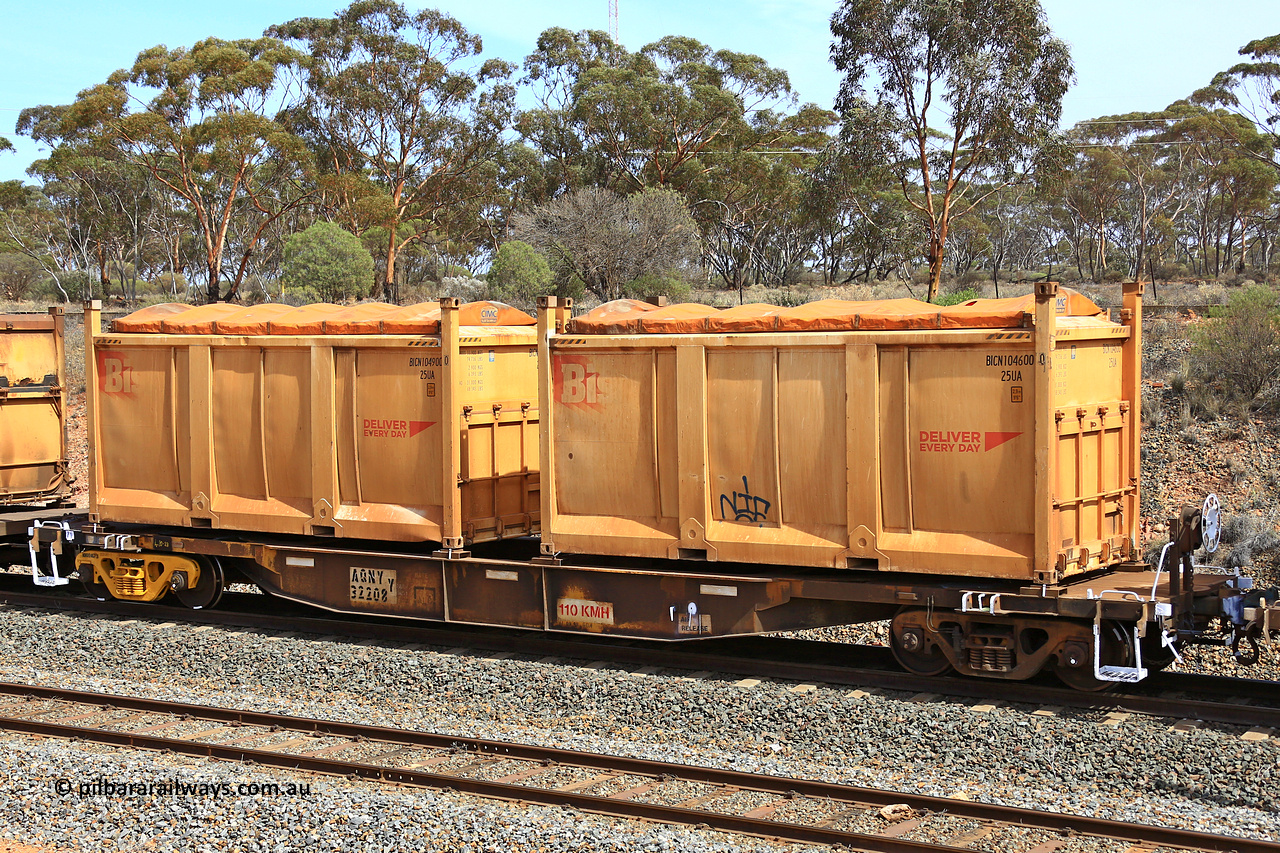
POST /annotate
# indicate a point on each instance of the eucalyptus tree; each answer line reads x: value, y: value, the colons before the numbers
x: 1228, y: 180
x: 948, y: 94
x: 749, y: 198
x: 1152, y: 163
x: 860, y: 222
x: 198, y: 121
x: 654, y: 114
x: 552, y: 126
x: 31, y: 226
x: 400, y: 107
x: 718, y: 126
x: 1252, y: 90
x: 110, y: 201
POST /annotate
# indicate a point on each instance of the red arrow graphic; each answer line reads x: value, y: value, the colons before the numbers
x: 995, y: 439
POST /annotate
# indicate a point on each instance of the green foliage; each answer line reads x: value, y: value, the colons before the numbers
x: 197, y: 122
x: 1251, y: 89
x: 393, y: 98
x: 172, y: 284
x: 1237, y: 351
x: 656, y: 284
x: 955, y: 297
x: 519, y: 275
x: 19, y: 275
x: 328, y: 261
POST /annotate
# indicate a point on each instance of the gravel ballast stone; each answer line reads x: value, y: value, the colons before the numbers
x: 1137, y: 770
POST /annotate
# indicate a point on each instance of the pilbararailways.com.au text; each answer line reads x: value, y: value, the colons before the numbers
x: 104, y: 787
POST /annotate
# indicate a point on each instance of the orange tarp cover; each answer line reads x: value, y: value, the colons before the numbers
x: 363, y: 319
x: 306, y: 320
x: 274, y: 318
x: 250, y: 321
x: 630, y: 317
x: 148, y: 319
x: 197, y: 320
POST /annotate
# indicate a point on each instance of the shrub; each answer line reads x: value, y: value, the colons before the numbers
x: 329, y: 261
x: 19, y: 275
x: 955, y: 297
x: 652, y: 284
x: 464, y: 287
x: 519, y: 275
x: 1237, y: 351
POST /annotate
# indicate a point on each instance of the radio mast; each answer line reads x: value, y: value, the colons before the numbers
x: 613, y: 20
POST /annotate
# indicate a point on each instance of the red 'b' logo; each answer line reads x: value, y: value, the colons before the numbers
x: 115, y: 376
x: 575, y: 383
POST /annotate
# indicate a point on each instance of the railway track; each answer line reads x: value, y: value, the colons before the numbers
x: 787, y: 809
x: 1211, y: 699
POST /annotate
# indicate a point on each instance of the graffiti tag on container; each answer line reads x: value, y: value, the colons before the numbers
x: 744, y: 506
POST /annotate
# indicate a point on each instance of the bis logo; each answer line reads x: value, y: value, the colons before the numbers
x: 575, y: 383
x: 115, y: 376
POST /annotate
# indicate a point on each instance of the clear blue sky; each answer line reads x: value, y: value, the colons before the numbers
x: 1129, y: 55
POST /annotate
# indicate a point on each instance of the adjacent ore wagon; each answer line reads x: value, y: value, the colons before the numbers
x: 33, y: 406
x: 970, y: 473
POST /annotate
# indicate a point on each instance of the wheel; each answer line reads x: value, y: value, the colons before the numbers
x: 97, y: 590
x: 1117, y: 650
x: 208, y: 590
x: 92, y: 587
x: 916, y: 659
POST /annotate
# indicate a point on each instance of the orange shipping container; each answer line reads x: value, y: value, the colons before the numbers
x: 998, y: 438
x: 33, y: 405
x: 405, y: 424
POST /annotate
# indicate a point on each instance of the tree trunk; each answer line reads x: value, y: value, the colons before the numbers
x: 389, y: 275
x: 937, y: 249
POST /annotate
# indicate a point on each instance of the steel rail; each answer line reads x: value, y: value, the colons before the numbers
x: 848, y: 795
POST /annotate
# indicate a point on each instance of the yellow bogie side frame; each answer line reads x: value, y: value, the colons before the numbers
x: 140, y: 577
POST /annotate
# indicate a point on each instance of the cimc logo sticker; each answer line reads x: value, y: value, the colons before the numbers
x: 574, y: 383
x: 962, y: 441
x: 115, y: 376
x: 488, y: 316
